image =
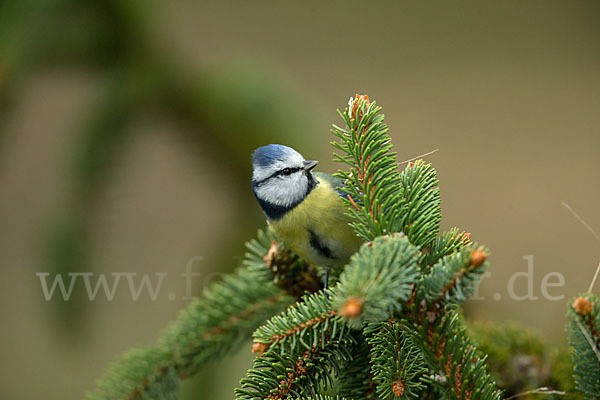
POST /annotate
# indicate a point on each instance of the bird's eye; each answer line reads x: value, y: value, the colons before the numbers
x: 286, y: 171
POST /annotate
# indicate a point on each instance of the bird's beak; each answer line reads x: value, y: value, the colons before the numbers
x: 309, y: 164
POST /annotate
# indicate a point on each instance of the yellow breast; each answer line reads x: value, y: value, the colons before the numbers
x: 317, y: 229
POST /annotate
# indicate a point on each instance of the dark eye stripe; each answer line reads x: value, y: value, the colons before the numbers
x: 283, y: 172
x: 278, y: 173
x: 288, y: 171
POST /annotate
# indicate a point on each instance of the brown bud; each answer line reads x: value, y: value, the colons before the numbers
x: 478, y: 257
x: 398, y: 388
x: 355, y: 104
x: 259, y: 348
x: 582, y: 306
x: 271, y: 253
x: 352, y: 308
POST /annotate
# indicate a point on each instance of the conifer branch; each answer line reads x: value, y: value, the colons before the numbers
x: 356, y: 380
x: 140, y: 373
x: 301, y: 326
x: 379, y: 277
x: 388, y: 329
x: 380, y: 199
x: 420, y: 208
x: 373, y: 185
x: 397, y: 364
x: 206, y: 330
x: 297, y: 372
x: 300, y: 350
x: 455, y: 367
x: 210, y: 327
x: 453, y: 278
x: 288, y: 271
x: 584, y: 337
x: 320, y: 397
x: 447, y: 243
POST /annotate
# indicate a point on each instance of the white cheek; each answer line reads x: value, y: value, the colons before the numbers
x: 284, y: 192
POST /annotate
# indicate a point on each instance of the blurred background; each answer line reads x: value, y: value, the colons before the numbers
x: 126, y: 129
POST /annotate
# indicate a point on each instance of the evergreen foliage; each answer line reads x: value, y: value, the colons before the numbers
x: 115, y: 42
x: 420, y: 211
x: 373, y: 189
x: 584, y: 336
x: 356, y: 379
x: 398, y: 364
x: 380, y: 199
x: 384, y: 280
x: 455, y: 368
x: 302, y: 371
x: 380, y: 277
x: 446, y: 243
x: 561, y: 374
x: 205, y: 331
x: 453, y: 277
x: 390, y: 327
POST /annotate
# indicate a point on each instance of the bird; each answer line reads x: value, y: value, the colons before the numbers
x: 303, y: 208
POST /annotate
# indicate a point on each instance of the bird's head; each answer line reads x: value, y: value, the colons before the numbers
x: 281, y: 176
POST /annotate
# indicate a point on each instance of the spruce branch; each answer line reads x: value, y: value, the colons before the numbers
x: 455, y: 367
x: 454, y: 277
x: 381, y: 200
x: 388, y: 329
x: 397, y: 363
x: 208, y: 329
x: 140, y: 373
x: 298, y: 372
x: 302, y: 326
x: 373, y: 187
x: 584, y: 336
x: 379, y: 277
x: 420, y: 207
x: 288, y: 271
x: 447, y: 243
x: 320, y: 397
x: 211, y: 327
x: 356, y: 380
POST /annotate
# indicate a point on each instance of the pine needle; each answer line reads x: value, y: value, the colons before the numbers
x: 589, y: 339
x: 594, y: 280
x: 541, y: 390
x: 418, y: 157
x: 589, y: 228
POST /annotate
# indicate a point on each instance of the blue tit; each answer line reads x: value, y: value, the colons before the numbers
x: 303, y: 208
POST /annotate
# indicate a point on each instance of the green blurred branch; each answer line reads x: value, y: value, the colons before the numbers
x: 228, y: 113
